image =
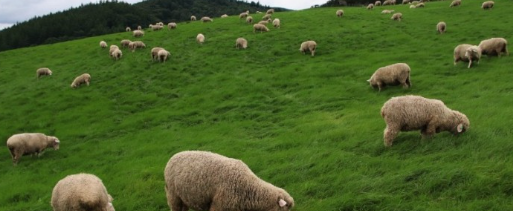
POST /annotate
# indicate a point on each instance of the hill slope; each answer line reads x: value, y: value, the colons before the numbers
x: 309, y: 125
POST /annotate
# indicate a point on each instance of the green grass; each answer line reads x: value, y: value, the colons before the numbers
x: 309, y: 125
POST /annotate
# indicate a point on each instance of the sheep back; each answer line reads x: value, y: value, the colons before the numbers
x: 494, y: 46
x: 81, y: 79
x: 30, y: 143
x: 394, y: 74
x: 260, y: 27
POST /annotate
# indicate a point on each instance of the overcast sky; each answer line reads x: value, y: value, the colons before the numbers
x: 12, y: 11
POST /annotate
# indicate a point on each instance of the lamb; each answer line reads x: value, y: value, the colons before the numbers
x: 125, y: 42
x: 171, y: 25
x: 270, y: 11
x: 455, y: 3
x: 154, y: 53
x: 138, y: 33
x: 276, y: 23
x: 193, y: 18
x: 487, y: 5
x: 340, y: 13
x: 266, y: 17
x: 81, y: 79
x: 43, y: 71
x: 29, y: 144
x: 370, y: 6
x: 128, y: 29
x: 377, y: 3
x: 200, y: 38
x: 387, y: 11
x: 249, y: 19
x: 308, y: 46
x: 203, y: 180
x: 163, y: 55
x: 241, y: 43
x: 81, y: 192
x: 117, y: 54
x: 260, y: 27
x: 397, y: 16
x: 103, y: 44
x: 224, y: 16
x: 394, y: 74
x: 207, y: 19
x: 494, y: 46
x: 440, y: 27
x: 430, y: 116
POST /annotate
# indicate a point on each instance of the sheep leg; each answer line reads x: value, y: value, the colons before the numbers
x: 429, y: 131
x: 469, y: 63
x: 389, y: 135
x: 379, y: 86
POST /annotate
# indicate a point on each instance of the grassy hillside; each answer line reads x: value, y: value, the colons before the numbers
x: 309, y: 125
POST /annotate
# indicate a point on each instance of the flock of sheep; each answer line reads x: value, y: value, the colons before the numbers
x: 207, y: 181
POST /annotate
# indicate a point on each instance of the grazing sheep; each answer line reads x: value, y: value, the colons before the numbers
x: 308, y: 46
x: 43, y: 71
x: 394, y: 74
x: 340, y: 13
x: 387, y: 2
x: 125, y: 42
x: 171, y: 25
x: 377, y: 3
x: 260, y: 27
x: 406, y: 1
x: 249, y: 19
x: 224, y: 16
x: 81, y: 192
x: 387, y: 11
x: 136, y: 44
x: 138, y: 33
x: 455, y: 3
x: 154, y: 53
x: 440, y: 27
x: 112, y: 48
x: 163, y: 55
x: 430, y: 116
x: 139, y: 28
x: 415, y: 2
x: 29, y: 144
x: 200, y: 38
x: 103, y: 44
x: 412, y: 6
x: 270, y: 11
x: 132, y: 46
x: 487, y: 5
x: 264, y: 22
x: 193, y: 18
x: 128, y: 29
x: 156, y: 27
x: 370, y: 6
x: 207, y: 19
x: 117, y: 54
x: 276, y: 23
x: 494, y: 46
x: 243, y: 15
x: 420, y: 5
x: 267, y: 17
x: 202, y: 180
x: 397, y: 16
x: 241, y: 43
x: 81, y: 79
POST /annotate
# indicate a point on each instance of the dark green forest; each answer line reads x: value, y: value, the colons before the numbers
x: 108, y: 17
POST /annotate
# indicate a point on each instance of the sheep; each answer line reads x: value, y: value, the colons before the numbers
x: 171, y: 25
x: 340, y: 13
x: 193, y: 18
x: 163, y: 55
x: 406, y: 1
x: 81, y: 192
x: 156, y: 27
x: 160, y: 24
x: 266, y: 17
x: 154, y: 53
x: 420, y: 5
x: 412, y: 6
x: 455, y: 3
x: 224, y: 16
x: 243, y: 15
x: 136, y: 44
x: 264, y: 22
x: 377, y: 3
x: 270, y: 11
x: 207, y: 19
x: 132, y: 46
x: 415, y: 2
x: 125, y: 42
x: 260, y: 27
x: 441, y: 27
x: 200, y: 38
x: 138, y: 33
x: 112, y: 48
x: 308, y: 46
x: 103, y: 44
x: 276, y: 23
x: 139, y: 28
x: 241, y: 43
x: 494, y: 46
x: 29, y: 144
x: 117, y: 54
x: 397, y: 16
x: 81, y: 79
x: 487, y: 5
x: 203, y: 180
x: 370, y: 6
x: 43, y: 71
x: 430, y: 116
x: 393, y: 74
x: 387, y: 2
x: 249, y: 19
x: 128, y: 29
x: 387, y: 11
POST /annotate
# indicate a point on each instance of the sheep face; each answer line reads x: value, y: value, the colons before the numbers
x: 54, y: 142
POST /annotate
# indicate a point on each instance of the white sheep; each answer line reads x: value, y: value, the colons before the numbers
x: 276, y: 23
x: 163, y: 55
x: 455, y: 3
x: 202, y: 180
x: 241, y: 43
x: 441, y: 27
x: 370, y: 6
x: 112, y: 48
x: 207, y: 19
x: 138, y: 33
x: 387, y: 11
x: 430, y: 116
x: 155, y: 52
x: 264, y: 22
x: 406, y: 1
x: 200, y: 38
x: 308, y: 46
x: 128, y: 29
x: 81, y: 79
x: 81, y: 192
x: 125, y: 42
x: 243, y: 15
x: 117, y: 54
x: 136, y: 44
x: 224, y: 16
x: 412, y: 6
x: 260, y: 27
x: 171, y: 25
x: 267, y: 17
x: 397, y: 16
x: 139, y: 27
x: 420, y: 5
x: 487, y: 5
x: 249, y: 19
x: 339, y: 13
x: 393, y: 74
x: 43, y: 71
x: 270, y: 11
x: 29, y: 144
x: 387, y: 2
x: 377, y: 3
x: 156, y: 27
x: 494, y: 46
x: 103, y: 44
x: 193, y: 18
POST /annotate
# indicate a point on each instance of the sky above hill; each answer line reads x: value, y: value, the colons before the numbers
x: 12, y: 12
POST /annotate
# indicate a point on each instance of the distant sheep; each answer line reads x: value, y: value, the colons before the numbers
x: 202, y: 180
x: 430, y: 116
x: 171, y: 25
x: 125, y: 42
x: 249, y: 19
x: 387, y: 2
x: 467, y: 53
x: 81, y: 79
x: 412, y: 6
x: 29, y: 144
x: 487, y: 5
x: 155, y: 52
x: 260, y: 27
x: 394, y: 74
x: 241, y: 43
x: 414, y: 2
x: 494, y: 46
x: 139, y: 28
x: 103, y: 44
x: 117, y: 54
x: 207, y: 19
x: 136, y: 44
x: 420, y: 5
x: 370, y: 6
x: 377, y: 3
x: 156, y: 27
x: 406, y: 1
x: 43, y: 71
x: 112, y: 48
x: 163, y: 55
x: 387, y: 11
x: 340, y: 13
x: 270, y: 11
x: 455, y: 3
x: 266, y: 17
x: 276, y: 23
x: 200, y: 38
x: 224, y: 16
x: 264, y: 22
x: 128, y: 29
x: 243, y: 15
x: 81, y: 192
x: 308, y: 46
x: 138, y: 33
x: 441, y: 27
x: 193, y: 18
x: 397, y: 16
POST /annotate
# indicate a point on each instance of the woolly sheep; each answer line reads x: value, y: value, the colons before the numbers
x: 387, y: 2
x: 224, y: 16
x: 156, y: 27
x: 467, y: 53
x: 264, y: 22
x: 415, y: 2
x: 160, y: 24
x: 430, y: 116
x: 103, y: 44
x: 163, y: 55
x: 139, y: 28
x: 412, y: 6
x: 276, y: 23
x: 193, y: 18
x: 494, y: 46
x: 249, y: 19
x: 112, y: 48
x: 207, y: 19
x: 370, y: 6
x: 340, y: 13
x: 260, y: 27
x: 266, y: 17
x: 377, y: 3
x: 29, y: 144
x: 132, y: 46
x: 154, y: 53
x: 136, y: 44
x: 406, y: 1
x: 81, y: 79
x: 308, y: 46
x: 128, y: 29
x: 397, y: 16
x: 200, y: 38
x: 202, y: 180
x: 125, y: 42
x: 487, y: 5
x: 138, y: 33
x: 420, y: 5
x: 394, y: 74
x: 241, y: 43
x: 440, y: 27
x: 117, y: 54
x: 270, y: 11
x: 171, y: 25
x: 387, y: 11
x: 455, y: 3
x: 43, y: 71
x: 81, y: 192
x: 243, y: 15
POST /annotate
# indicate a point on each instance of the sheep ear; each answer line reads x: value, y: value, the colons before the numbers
x: 282, y: 203
x: 460, y: 128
